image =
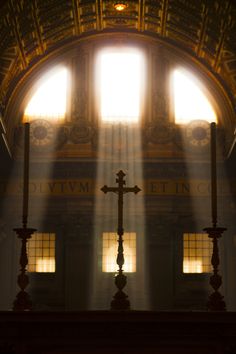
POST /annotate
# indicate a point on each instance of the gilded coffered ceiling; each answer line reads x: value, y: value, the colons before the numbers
x: 32, y: 29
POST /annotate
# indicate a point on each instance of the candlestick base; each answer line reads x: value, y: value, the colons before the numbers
x: 120, y: 301
x: 215, y: 302
x: 23, y: 302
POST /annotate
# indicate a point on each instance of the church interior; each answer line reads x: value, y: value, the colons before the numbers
x: 118, y: 176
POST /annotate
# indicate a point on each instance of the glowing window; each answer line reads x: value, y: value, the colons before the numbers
x: 109, y: 252
x: 190, y: 102
x: 120, y: 80
x: 197, y: 250
x: 41, y: 253
x: 49, y: 100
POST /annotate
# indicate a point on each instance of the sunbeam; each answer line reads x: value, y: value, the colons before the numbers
x: 119, y: 149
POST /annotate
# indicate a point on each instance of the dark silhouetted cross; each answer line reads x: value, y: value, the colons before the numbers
x: 120, y: 301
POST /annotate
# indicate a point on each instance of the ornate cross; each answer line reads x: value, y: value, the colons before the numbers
x: 120, y: 301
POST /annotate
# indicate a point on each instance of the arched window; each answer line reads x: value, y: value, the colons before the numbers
x: 49, y: 100
x: 190, y: 103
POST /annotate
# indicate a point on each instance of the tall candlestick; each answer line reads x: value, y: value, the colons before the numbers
x: 215, y: 302
x: 26, y: 174
x: 213, y: 175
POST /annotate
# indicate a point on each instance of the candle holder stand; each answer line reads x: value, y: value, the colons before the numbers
x: 215, y: 301
x: 120, y: 299
x: 23, y: 302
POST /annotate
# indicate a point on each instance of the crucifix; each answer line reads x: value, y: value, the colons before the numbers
x: 120, y: 299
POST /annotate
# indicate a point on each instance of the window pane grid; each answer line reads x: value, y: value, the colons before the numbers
x: 41, y: 253
x: 197, y: 252
x: 109, y: 252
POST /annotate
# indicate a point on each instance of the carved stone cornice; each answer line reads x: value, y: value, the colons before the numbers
x: 45, y: 136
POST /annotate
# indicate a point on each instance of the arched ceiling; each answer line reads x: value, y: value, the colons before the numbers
x: 31, y: 30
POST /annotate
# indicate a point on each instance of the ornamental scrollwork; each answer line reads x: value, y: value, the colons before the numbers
x: 81, y: 132
x: 160, y: 132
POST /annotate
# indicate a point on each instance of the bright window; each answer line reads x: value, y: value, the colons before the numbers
x: 197, y: 251
x: 41, y: 253
x: 120, y: 80
x: 190, y: 103
x: 49, y: 100
x: 109, y: 252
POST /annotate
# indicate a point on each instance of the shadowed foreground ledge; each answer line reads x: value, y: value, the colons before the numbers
x: 117, y: 332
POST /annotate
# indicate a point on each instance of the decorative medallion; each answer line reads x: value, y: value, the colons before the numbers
x: 198, y: 133
x: 81, y: 132
x: 42, y: 133
x: 159, y: 133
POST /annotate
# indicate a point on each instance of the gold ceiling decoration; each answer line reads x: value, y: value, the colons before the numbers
x: 30, y: 30
x: 120, y: 6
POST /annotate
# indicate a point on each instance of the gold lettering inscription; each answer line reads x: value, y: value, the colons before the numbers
x: 182, y: 188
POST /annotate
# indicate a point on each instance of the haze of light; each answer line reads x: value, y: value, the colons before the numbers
x: 45, y: 265
x: 120, y: 86
x: 50, y: 98
x: 189, y: 101
x: 192, y: 266
x: 110, y: 252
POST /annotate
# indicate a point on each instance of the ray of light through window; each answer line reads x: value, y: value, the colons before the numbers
x: 120, y: 86
x: 190, y: 103
x: 120, y: 148
x: 49, y: 100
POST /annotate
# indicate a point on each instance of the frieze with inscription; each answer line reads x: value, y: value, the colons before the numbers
x: 86, y: 187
